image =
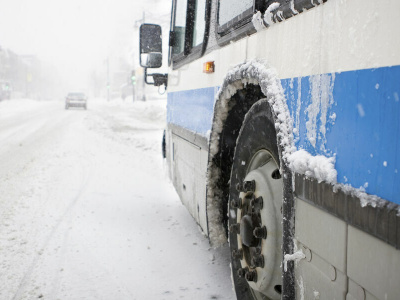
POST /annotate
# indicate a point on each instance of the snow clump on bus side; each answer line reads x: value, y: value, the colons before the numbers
x: 319, y: 167
x: 260, y: 22
x: 268, y: 15
x: 257, y: 21
x: 323, y: 169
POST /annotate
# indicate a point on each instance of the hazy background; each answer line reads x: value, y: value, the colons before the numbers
x: 73, y: 41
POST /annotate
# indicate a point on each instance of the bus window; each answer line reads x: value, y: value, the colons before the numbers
x: 232, y: 11
x: 199, y: 23
x: 180, y: 26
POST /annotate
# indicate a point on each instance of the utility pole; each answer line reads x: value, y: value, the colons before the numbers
x: 133, y: 82
x: 137, y: 25
x: 108, y: 78
x: 143, y: 82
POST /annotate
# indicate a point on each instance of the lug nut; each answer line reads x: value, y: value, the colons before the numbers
x: 249, y: 186
x: 257, y: 203
x: 236, y: 203
x: 234, y: 228
x: 237, y: 254
x: 260, y: 232
x: 251, y: 275
x: 246, y: 186
x: 242, y: 272
x: 250, y: 197
x: 257, y: 261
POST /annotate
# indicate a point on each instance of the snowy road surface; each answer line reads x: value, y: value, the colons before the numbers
x: 87, y: 211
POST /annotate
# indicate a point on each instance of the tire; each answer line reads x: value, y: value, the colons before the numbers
x: 164, y: 146
x: 255, y: 208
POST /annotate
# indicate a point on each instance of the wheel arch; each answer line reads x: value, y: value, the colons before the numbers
x: 257, y: 80
x: 244, y: 85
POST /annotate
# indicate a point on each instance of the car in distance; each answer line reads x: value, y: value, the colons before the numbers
x: 76, y: 100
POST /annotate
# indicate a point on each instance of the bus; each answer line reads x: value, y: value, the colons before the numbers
x: 283, y: 139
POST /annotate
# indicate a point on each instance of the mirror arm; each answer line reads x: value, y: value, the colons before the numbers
x: 145, y: 77
x: 158, y: 78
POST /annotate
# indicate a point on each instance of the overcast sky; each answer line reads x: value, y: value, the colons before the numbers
x: 75, y: 33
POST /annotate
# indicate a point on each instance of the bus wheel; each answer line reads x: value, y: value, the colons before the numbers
x: 255, y: 205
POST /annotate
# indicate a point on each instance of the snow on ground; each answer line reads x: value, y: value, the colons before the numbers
x: 87, y: 211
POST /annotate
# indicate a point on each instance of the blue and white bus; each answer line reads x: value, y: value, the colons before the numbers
x: 283, y: 139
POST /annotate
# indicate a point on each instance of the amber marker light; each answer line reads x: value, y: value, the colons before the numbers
x: 208, y: 67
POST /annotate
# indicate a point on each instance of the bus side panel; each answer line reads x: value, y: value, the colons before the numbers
x: 334, y: 37
x: 192, y: 109
x: 189, y: 118
x: 354, y: 116
x: 189, y: 177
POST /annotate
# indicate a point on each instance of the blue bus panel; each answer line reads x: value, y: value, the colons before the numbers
x: 354, y: 116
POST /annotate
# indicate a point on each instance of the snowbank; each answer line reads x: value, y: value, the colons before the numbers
x: 9, y: 108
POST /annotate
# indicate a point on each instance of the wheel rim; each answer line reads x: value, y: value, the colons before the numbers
x: 259, y: 229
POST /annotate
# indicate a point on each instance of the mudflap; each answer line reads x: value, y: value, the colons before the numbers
x: 288, y: 277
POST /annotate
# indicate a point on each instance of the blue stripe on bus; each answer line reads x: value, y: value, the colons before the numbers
x: 364, y: 134
x: 192, y: 109
x: 362, y: 122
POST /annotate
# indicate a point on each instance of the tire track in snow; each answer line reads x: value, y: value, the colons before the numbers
x: 25, y: 279
x: 32, y: 138
x: 17, y: 125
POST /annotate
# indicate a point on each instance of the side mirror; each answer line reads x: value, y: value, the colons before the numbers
x: 151, y: 60
x: 150, y: 46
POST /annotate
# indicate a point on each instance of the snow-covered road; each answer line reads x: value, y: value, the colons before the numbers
x: 87, y: 210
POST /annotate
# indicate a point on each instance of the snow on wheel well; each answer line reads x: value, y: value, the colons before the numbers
x: 244, y: 85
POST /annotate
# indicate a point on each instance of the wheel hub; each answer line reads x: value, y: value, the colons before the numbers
x: 259, y: 226
x: 247, y: 225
